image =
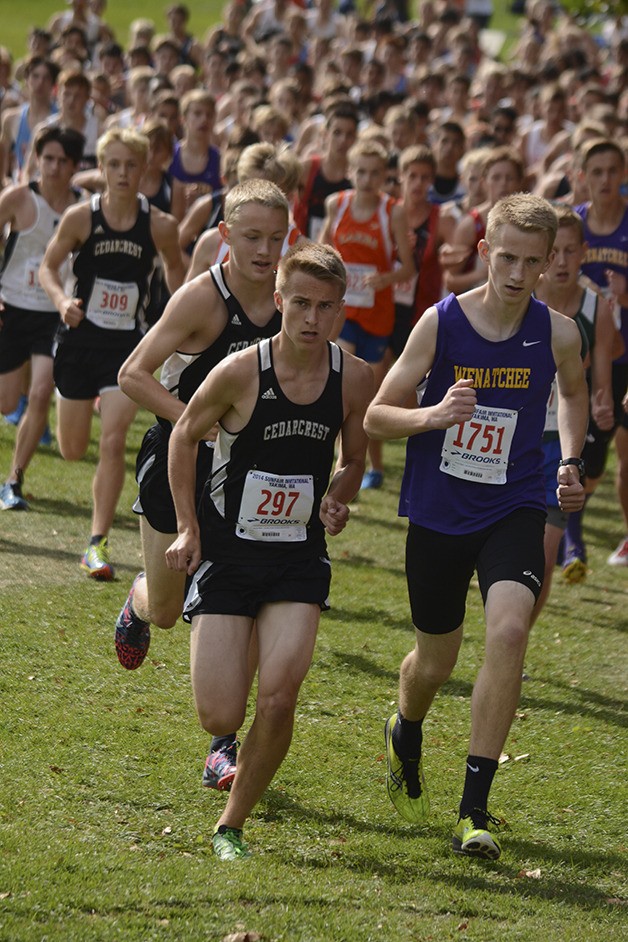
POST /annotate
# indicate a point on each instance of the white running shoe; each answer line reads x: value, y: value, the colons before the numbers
x: 620, y: 556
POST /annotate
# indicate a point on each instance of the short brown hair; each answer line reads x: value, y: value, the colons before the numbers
x: 600, y: 145
x: 568, y: 218
x: 417, y: 154
x: 526, y: 212
x: 315, y: 259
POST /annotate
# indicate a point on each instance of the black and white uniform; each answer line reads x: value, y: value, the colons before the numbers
x: 181, y: 375
x: 112, y: 273
x: 259, y: 512
x: 30, y: 319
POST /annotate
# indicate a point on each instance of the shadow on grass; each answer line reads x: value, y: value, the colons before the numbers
x: 61, y: 507
x: 380, y: 616
x: 477, y: 875
x: 31, y: 550
x: 589, y: 702
x: 394, y: 524
x: 351, y: 559
x: 66, y: 508
x: 359, y: 664
x: 581, y: 703
x: 277, y: 805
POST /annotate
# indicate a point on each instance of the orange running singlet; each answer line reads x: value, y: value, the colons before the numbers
x: 366, y: 248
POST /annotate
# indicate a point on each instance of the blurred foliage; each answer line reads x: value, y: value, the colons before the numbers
x: 586, y: 9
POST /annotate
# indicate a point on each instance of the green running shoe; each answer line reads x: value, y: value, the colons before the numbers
x: 228, y: 843
x: 96, y: 562
x: 405, y: 781
x: 472, y: 837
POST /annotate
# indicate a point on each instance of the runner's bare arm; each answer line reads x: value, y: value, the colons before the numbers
x: 573, y: 407
x: 10, y: 201
x: 166, y: 238
x: 345, y: 484
x: 204, y: 253
x: 195, y: 220
x: 193, y: 308
x: 464, y: 240
x: 72, y: 232
x: 603, y: 354
x: 9, y: 118
x: 331, y: 208
x: 389, y: 417
x: 399, y: 228
x: 219, y: 397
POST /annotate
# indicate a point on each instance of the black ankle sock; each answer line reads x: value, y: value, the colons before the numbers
x: 477, y: 784
x: 96, y: 538
x: 222, y: 742
x: 407, y: 737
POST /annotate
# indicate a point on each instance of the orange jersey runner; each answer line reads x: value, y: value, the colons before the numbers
x: 366, y: 249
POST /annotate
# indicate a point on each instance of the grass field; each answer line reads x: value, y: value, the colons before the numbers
x: 104, y: 827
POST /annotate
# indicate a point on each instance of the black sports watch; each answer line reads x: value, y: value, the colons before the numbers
x: 578, y: 462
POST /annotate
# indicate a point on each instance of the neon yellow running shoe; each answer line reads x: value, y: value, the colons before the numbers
x: 95, y: 561
x: 472, y: 837
x: 575, y: 571
x: 228, y: 843
x: 405, y: 781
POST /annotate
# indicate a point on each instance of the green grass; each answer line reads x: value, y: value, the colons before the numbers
x: 104, y: 827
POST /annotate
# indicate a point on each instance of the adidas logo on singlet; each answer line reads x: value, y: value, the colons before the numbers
x: 269, y: 394
x: 99, y: 230
x: 236, y: 320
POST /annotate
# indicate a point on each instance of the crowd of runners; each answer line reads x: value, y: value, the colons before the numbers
x: 281, y: 233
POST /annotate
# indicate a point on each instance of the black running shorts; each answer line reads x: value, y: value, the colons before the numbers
x: 151, y: 473
x: 439, y: 566
x: 230, y: 589
x: 25, y: 334
x: 86, y: 372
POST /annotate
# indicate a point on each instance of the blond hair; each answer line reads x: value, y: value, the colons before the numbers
x: 259, y: 192
x: 266, y: 113
x: 476, y: 157
x: 197, y: 96
x: 140, y: 75
x: 499, y: 155
x: 367, y: 148
x: 315, y: 259
x: 526, y: 212
x: 137, y: 143
x: 158, y: 134
x: 264, y: 161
